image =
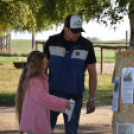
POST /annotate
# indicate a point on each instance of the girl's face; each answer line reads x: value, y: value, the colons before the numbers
x: 44, y: 66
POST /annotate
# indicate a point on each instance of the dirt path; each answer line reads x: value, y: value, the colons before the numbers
x: 98, y: 122
x: 108, y: 68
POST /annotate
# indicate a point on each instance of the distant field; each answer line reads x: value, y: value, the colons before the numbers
x: 23, y: 46
x: 10, y: 75
x: 26, y: 45
x: 10, y: 79
x: 108, y: 57
x: 20, y: 47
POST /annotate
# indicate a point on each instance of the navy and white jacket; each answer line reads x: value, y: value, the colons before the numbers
x: 66, y: 69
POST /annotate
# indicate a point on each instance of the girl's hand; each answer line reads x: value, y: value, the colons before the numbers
x: 68, y: 105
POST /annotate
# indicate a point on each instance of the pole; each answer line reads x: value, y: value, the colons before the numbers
x: 33, y: 40
x: 101, y: 60
x: 126, y: 39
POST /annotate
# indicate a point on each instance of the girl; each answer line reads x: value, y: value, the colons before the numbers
x: 33, y: 100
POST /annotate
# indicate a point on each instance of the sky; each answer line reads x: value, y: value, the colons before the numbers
x: 92, y: 29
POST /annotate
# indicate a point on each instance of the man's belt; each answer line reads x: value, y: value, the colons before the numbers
x: 75, y: 97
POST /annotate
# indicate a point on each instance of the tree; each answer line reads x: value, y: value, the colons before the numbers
x: 16, y: 15
x: 118, y: 10
x: 38, y: 15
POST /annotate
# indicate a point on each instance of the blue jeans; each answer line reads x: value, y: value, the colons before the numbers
x: 71, y: 126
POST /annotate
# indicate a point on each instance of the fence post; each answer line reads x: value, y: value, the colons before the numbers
x: 126, y: 39
x: 9, y: 41
x: 33, y: 40
x: 36, y: 45
x: 3, y: 43
x: 43, y: 46
x: 6, y: 42
x: 101, y: 59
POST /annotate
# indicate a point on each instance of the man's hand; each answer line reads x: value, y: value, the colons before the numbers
x: 90, y: 107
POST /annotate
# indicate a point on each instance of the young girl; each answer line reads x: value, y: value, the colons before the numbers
x: 33, y: 100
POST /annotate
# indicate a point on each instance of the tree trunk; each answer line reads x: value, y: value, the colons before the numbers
x: 33, y: 41
x: 3, y: 43
x: 0, y: 43
x: 131, y: 18
x: 9, y: 42
x: 132, y: 31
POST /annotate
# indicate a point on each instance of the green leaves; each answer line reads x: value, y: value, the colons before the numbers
x: 38, y: 15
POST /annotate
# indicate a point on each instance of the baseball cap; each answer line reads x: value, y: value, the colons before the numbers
x: 74, y: 23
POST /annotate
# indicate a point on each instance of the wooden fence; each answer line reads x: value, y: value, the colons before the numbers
x: 98, y: 45
x: 102, y: 47
x: 5, y: 43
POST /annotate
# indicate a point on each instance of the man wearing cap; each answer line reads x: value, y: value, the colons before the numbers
x: 69, y: 54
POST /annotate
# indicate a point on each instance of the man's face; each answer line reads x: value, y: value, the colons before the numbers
x: 70, y: 36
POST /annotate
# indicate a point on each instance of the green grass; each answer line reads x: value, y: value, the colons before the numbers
x: 25, y: 46
x: 104, y: 91
x: 111, y: 44
x: 10, y: 77
x: 108, y: 57
x: 5, y: 59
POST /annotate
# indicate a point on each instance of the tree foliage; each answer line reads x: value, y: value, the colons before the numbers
x: 38, y: 15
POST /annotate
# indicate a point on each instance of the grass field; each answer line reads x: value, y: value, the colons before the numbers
x: 23, y: 47
x: 10, y: 76
x: 108, y: 57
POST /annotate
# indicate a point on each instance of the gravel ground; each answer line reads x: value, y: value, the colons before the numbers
x: 108, y: 68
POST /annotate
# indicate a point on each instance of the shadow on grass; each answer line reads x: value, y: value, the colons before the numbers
x: 87, y: 129
x: 7, y: 99
x: 10, y: 132
x: 14, y: 55
x: 102, y: 96
x: 109, y: 58
x: 83, y: 129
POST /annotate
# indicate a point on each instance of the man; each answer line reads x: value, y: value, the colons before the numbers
x: 68, y: 56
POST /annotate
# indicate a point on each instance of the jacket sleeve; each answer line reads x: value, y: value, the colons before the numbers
x: 42, y: 97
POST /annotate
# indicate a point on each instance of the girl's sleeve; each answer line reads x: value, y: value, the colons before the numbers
x: 42, y: 97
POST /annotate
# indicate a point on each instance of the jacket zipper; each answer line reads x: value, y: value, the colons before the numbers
x: 78, y: 82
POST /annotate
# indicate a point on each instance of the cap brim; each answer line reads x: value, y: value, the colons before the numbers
x: 78, y: 30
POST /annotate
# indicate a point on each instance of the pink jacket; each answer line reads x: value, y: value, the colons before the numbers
x: 35, y: 115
